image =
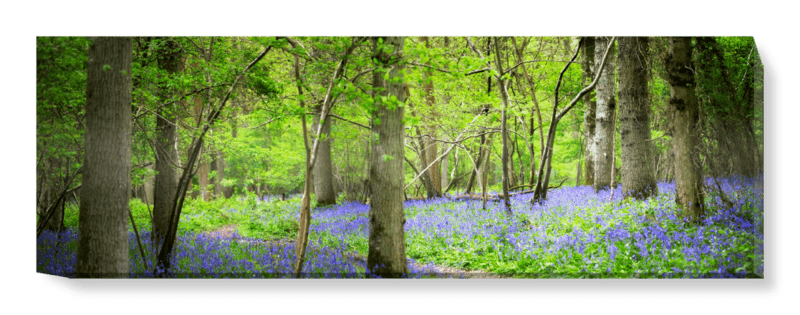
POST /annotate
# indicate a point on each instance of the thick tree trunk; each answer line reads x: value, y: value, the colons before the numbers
x: 103, y: 218
x: 686, y: 137
x: 638, y: 180
x: 387, y: 254
x: 323, y: 170
x: 589, y: 110
x: 606, y: 107
x: 166, y: 179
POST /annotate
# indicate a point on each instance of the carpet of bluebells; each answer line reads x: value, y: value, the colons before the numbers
x: 575, y: 233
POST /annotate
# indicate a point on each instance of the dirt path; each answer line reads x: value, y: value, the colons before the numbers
x: 228, y: 232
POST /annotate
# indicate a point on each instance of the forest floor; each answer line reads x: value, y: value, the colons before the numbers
x: 229, y: 232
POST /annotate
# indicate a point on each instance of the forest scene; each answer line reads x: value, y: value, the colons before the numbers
x: 400, y: 157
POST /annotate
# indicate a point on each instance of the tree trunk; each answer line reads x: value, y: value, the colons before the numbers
x: 103, y: 217
x: 431, y: 147
x: 519, y: 51
x: 387, y: 255
x: 426, y: 178
x: 166, y: 179
x: 589, y: 111
x: 606, y: 107
x: 49, y: 194
x: 202, y: 176
x: 218, y: 165
x: 474, y: 173
x: 323, y: 170
x: 234, y: 133
x: 638, y: 179
x: 443, y: 174
x: 503, y: 128
x: 512, y: 175
x: 686, y: 137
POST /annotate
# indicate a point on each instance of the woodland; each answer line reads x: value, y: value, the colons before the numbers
x: 399, y: 157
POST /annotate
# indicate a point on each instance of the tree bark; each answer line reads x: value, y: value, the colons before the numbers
x: 589, y: 111
x: 474, y: 173
x: 431, y: 147
x: 228, y: 191
x: 218, y: 165
x: 103, y: 217
x: 606, y: 107
x: 48, y: 196
x: 323, y: 170
x: 202, y: 176
x: 503, y: 127
x: 638, y: 180
x: 166, y: 179
x: 686, y: 137
x: 387, y: 256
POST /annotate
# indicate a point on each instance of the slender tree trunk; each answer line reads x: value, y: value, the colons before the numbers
x: 103, y: 217
x: 202, y: 172
x: 431, y: 147
x: 50, y: 194
x: 512, y: 175
x: 532, y: 85
x: 166, y: 179
x: 606, y: 107
x: 323, y: 170
x: 503, y: 128
x: 474, y: 173
x: 589, y: 111
x: 219, y: 166
x: 426, y: 178
x: 234, y: 133
x: 638, y: 180
x: 387, y: 255
x: 686, y: 137
x: 443, y: 174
